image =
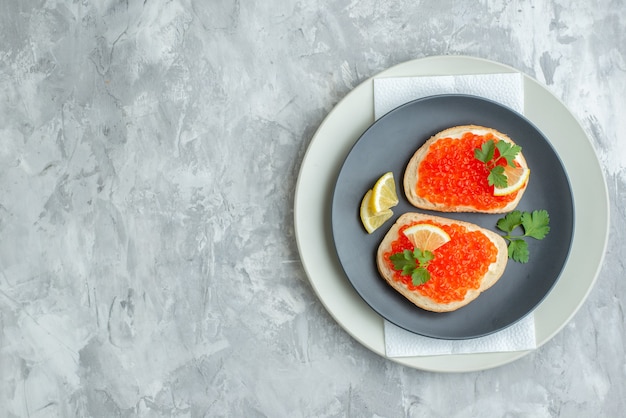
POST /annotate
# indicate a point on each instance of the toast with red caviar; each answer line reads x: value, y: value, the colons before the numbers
x: 445, y: 175
x: 470, y: 262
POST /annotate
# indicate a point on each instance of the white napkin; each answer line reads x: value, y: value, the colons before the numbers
x: 401, y: 343
x: 506, y: 89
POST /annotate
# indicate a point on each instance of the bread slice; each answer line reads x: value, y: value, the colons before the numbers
x: 495, y: 271
x: 411, y: 176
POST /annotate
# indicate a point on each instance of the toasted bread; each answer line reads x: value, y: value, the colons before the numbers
x: 411, y: 176
x: 493, y: 274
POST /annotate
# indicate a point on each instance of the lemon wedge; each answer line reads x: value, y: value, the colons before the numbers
x: 372, y: 220
x: 384, y: 194
x: 426, y: 237
x: 516, y: 178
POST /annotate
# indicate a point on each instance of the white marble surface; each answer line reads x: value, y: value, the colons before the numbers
x: 148, y: 158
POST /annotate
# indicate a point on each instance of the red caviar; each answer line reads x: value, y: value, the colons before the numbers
x: 457, y: 267
x: 451, y: 175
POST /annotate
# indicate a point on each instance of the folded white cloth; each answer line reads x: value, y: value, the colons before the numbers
x: 518, y: 337
x: 506, y: 89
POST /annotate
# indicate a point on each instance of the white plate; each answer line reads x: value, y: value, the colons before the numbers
x: 334, y: 139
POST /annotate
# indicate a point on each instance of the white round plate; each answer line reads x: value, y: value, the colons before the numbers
x: 342, y: 128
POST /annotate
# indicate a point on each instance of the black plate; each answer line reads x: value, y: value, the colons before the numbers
x: 388, y: 145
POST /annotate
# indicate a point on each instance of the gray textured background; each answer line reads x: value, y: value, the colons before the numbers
x: 148, y: 157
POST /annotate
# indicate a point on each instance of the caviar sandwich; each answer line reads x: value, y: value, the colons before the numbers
x: 440, y: 264
x: 467, y: 168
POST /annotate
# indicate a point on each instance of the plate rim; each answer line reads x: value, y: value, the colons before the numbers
x: 311, y: 224
x: 514, y: 113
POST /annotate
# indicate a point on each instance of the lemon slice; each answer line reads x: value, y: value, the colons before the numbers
x: 384, y: 194
x: 372, y: 220
x: 426, y: 237
x: 516, y: 178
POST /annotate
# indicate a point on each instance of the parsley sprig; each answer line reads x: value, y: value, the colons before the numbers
x: 413, y: 263
x: 486, y: 154
x: 536, y: 224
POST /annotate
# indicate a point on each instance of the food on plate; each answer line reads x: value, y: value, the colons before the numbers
x: 440, y: 264
x: 535, y: 224
x: 384, y: 194
x: 467, y: 168
x: 377, y: 203
x: 372, y: 220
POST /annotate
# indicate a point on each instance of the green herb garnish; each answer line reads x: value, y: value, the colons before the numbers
x: 486, y: 154
x: 535, y: 224
x: 413, y: 263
